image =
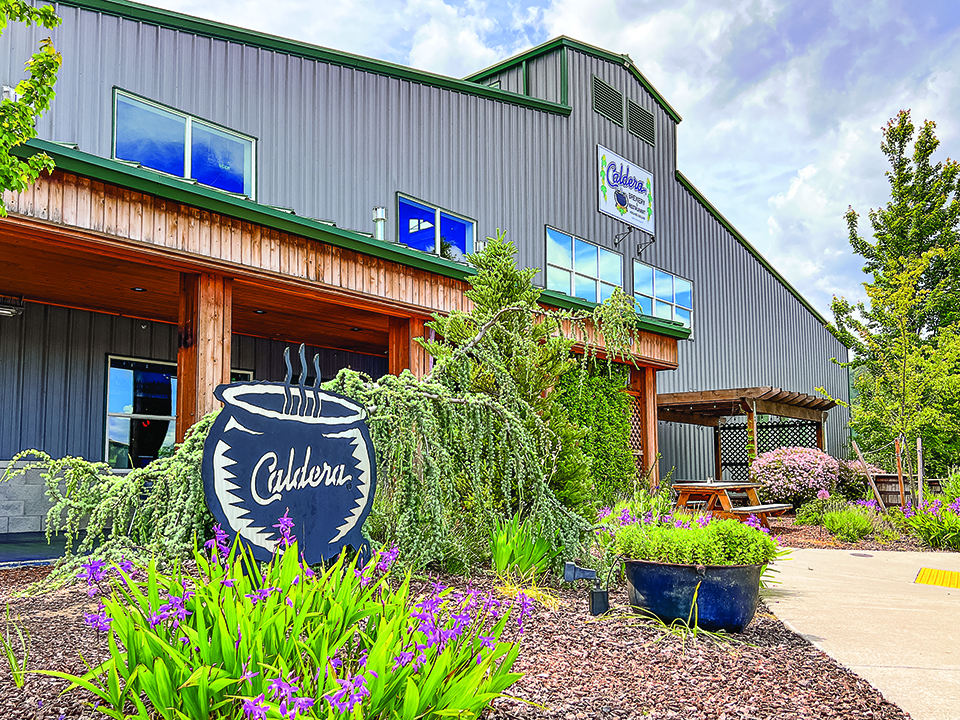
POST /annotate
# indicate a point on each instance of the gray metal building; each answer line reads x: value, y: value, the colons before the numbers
x: 331, y: 136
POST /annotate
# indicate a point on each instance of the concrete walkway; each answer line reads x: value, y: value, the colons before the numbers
x: 864, y: 610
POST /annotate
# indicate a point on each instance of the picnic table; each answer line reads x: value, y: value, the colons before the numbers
x: 718, y: 499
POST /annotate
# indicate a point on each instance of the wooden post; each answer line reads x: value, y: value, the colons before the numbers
x: 821, y: 435
x: 203, y: 353
x: 866, y: 469
x: 644, y: 381
x: 919, y: 471
x: 751, y: 407
x: 718, y: 455
x: 405, y: 353
x: 899, y: 448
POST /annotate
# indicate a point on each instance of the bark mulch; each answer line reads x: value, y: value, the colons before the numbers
x: 816, y: 536
x: 575, y: 666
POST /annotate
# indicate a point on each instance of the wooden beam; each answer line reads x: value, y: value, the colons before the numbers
x: 643, y: 380
x: 687, y: 418
x: 765, y: 407
x: 405, y: 353
x: 203, y: 353
x: 718, y: 455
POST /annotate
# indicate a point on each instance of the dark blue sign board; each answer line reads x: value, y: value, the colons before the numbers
x: 279, y: 446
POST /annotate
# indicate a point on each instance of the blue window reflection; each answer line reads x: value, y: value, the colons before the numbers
x: 158, y: 138
x: 559, y: 248
x: 456, y: 237
x: 417, y: 225
x: 218, y: 159
x: 150, y: 136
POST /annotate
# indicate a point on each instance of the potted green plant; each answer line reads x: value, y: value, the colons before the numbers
x: 706, y: 572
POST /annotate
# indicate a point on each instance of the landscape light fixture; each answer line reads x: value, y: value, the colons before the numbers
x: 599, y: 596
x: 11, y: 305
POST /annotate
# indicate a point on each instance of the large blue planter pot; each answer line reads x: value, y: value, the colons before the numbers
x: 727, y: 599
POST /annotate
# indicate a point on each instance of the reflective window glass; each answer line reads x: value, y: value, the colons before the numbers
x: 558, y: 279
x: 219, y: 159
x: 642, y: 279
x: 606, y: 291
x: 684, y: 293
x: 456, y: 237
x: 586, y: 258
x: 150, y: 136
x: 611, y: 267
x: 586, y: 288
x: 663, y: 285
x: 157, y: 138
x: 417, y: 225
x: 590, y: 264
x: 644, y: 304
x: 559, y: 248
x: 662, y: 294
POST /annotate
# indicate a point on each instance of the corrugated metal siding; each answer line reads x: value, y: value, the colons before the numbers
x: 543, y: 77
x: 53, y: 372
x: 334, y: 142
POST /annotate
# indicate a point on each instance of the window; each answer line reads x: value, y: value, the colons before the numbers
x: 661, y: 294
x: 430, y: 229
x: 179, y: 144
x: 580, y: 268
x: 142, y: 410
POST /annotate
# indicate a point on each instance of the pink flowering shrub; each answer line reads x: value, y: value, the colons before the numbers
x: 852, y: 480
x: 794, y: 474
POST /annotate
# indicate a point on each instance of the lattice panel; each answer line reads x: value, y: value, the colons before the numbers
x: 636, y: 430
x: 772, y: 435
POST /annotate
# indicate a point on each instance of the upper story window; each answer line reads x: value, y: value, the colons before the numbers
x: 580, y: 268
x: 433, y: 230
x: 178, y: 144
x: 662, y: 294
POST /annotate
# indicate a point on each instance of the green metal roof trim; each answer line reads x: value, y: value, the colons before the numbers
x: 176, y: 190
x: 564, y: 41
x: 750, y: 248
x: 231, y: 33
x: 644, y: 322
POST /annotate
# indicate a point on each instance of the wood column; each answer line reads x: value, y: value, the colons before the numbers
x: 821, y: 439
x: 751, y: 409
x: 405, y: 353
x: 644, y: 382
x: 203, y: 354
x: 718, y: 455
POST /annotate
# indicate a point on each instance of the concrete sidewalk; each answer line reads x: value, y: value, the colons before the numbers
x: 865, y: 611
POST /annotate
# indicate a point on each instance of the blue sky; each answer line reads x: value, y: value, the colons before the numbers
x: 782, y: 101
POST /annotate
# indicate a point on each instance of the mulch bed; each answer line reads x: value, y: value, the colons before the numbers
x: 575, y: 666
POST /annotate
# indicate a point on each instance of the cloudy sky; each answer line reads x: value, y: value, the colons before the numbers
x: 782, y: 100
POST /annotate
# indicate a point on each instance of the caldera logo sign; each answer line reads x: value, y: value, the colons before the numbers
x: 279, y: 446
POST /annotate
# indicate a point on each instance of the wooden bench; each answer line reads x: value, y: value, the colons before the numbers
x: 761, y: 511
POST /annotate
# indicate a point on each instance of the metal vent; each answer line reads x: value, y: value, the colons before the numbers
x: 607, y: 101
x: 640, y: 122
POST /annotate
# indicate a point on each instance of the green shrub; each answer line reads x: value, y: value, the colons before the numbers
x: 276, y: 640
x: 850, y: 524
x: 595, y: 400
x: 950, y: 487
x: 852, y: 480
x: 720, y: 542
x: 812, y: 513
x: 934, y: 524
x: 519, y: 549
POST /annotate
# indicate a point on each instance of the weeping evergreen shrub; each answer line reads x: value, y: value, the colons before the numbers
x: 479, y: 439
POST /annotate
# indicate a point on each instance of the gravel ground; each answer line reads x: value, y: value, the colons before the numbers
x: 575, y: 666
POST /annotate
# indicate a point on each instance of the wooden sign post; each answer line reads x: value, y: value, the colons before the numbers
x: 866, y: 469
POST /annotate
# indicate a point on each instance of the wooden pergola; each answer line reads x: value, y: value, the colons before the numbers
x: 710, y: 408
